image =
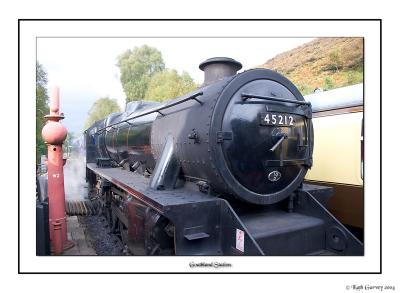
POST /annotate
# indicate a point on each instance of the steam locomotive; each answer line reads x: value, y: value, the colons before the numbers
x: 218, y: 171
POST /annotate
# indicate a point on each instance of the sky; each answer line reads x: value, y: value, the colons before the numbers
x: 85, y: 68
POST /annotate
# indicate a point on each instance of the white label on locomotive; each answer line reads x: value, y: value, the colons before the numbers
x: 276, y: 119
x: 240, y: 240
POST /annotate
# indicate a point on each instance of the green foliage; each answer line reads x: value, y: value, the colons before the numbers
x: 137, y: 66
x: 144, y: 76
x: 328, y: 83
x: 354, y: 77
x: 101, y: 108
x: 42, y: 109
x: 168, y: 84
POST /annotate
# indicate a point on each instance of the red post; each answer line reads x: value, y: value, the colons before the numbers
x: 54, y: 134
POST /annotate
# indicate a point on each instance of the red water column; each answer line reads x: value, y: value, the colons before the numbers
x: 54, y: 134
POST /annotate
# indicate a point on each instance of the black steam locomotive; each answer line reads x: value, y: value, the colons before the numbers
x: 218, y: 171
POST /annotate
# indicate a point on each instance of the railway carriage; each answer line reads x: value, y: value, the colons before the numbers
x: 338, y: 151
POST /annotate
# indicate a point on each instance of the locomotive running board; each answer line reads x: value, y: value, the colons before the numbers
x: 207, y: 225
x: 338, y: 238
x: 204, y: 224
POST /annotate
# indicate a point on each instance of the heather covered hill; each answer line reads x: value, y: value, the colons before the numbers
x: 322, y: 63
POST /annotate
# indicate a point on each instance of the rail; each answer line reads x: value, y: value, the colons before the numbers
x: 155, y: 110
x: 269, y: 98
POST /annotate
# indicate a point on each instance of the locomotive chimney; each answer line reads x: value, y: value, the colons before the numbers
x: 218, y: 68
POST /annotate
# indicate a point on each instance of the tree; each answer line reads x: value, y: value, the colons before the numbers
x: 67, y: 145
x: 168, y: 84
x: 101, y: 108
x: 42, y: 109
x: 137, y: 67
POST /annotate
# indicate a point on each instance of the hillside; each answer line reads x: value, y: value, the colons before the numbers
x: 323, y: 63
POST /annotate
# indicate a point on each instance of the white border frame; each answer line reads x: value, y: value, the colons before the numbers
x: 370, y: 30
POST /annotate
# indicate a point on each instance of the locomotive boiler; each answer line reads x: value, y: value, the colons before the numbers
x: 218, y: 171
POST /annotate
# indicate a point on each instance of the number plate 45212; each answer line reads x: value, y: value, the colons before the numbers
x: 276, y: 119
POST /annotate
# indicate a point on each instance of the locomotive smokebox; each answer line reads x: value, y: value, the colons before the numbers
x: 218, y: 68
